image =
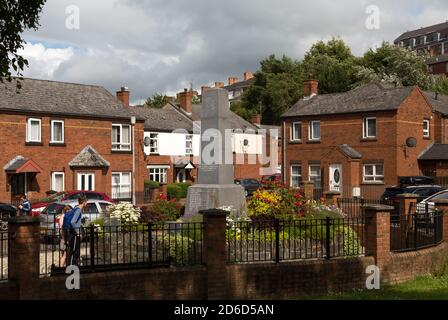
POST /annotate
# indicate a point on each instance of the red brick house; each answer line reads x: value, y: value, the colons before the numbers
x: 360, y: 141
x: 63, y: 136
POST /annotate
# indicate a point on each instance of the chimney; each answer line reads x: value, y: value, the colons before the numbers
x: 123, y: 95
x: 256, y: 119
x: 185, y: 100
x: 219, y: 84
x: 233, y: 80
x: 310, y: 88
x: 203, y: 89
x: 248, y: 75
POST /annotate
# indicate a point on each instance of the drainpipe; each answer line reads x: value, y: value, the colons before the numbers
x: 133, y: 121
x: 284, y: 153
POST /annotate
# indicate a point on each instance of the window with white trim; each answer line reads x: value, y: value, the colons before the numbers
x: 58, y: 181
x: 314, y: 131
x: 121, y: 137
x: 316, y: 175
x: 57, y: 131
x: 296, y: 134
x: 121, y: 185
x: 369, y: 128
x: 296, y: 175
x: 153, y: 143
x: 374, y: 172
x: 33, y: 130
x: 189, y: 144
x: 158, y: 174
x: 426, y: 128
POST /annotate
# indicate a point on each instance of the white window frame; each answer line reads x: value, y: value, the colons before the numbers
x: 295, y: 175
x: 311, y: 136
x: 427, y: 131
x: 80, y: 174
x: 53, y: 180
x: 377, y: 178
x: 28, y: 129
x: 119, y: 145
x: 294, y: 133
x: 120, y: 185
x: 188, y: 149
x: 162, y: 171
x: 365, y: 128
x: 156, y: 139
x: 52, y: 140
x: 315, y: 176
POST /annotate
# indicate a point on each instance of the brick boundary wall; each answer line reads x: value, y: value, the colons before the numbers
x: 219, y: 280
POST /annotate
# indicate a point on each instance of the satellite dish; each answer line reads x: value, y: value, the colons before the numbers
x: 411, y: 142
x: 147, y: 142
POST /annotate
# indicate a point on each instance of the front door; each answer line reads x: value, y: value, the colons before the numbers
x: 336, y: 177
x: 86, y: 181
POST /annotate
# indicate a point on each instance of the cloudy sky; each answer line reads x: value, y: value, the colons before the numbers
x: 164, y: 45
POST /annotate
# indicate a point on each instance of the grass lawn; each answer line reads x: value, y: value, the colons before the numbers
x: 422, y: 288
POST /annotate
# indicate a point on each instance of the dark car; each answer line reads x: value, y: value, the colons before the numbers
x: 422, y: 192
x: 267, y: 180
x: 249, y: 185
x: 6, y: 211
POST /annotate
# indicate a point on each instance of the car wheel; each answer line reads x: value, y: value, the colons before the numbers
x: 3, y: 225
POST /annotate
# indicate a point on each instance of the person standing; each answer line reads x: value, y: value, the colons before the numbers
x: 25, y: 206
x: 72, y: 225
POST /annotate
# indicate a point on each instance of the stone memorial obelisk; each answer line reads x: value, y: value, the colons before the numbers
x: 215, y: 187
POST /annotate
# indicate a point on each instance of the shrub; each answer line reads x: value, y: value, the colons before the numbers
x: 177, y: 190
x: 152, y: 184
x: 178, y: 248
x: 125, y: 212
x: 163, y: 210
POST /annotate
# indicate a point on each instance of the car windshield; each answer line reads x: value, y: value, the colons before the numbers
x: 441, y: 196
x: 54, y: 208
x: 55, y: 197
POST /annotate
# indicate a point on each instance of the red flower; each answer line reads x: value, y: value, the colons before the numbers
x: 298, y: 196
x: 298, y: 204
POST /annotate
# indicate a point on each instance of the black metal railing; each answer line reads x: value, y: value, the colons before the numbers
x: 295, y: 240
x: 353, y: 207
x: 4, y: 255
x: 123, y: 247
x: 416, y: 231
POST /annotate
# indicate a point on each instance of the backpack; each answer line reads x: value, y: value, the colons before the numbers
x: 68, y: 217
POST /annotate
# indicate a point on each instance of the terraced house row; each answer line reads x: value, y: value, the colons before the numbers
x: 57, y: 136
x: 364, y: 139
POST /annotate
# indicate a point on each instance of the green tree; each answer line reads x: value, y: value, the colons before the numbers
x: 394, y: 64
x: 16, y: 16
x: 277, y: 86
x: 333, y: 64
x: 439, y: 84
x: 158, y: 100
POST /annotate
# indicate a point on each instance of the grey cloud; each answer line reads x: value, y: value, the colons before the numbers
x: 211, y: 39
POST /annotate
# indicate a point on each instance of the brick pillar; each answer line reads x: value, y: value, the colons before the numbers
x: 331, y: 198
x: 407, y: 204
x: 377, y: 224
x: 23, y: 257
x: 442, y: 206
x: 308, y: 189
x: 215, y: 255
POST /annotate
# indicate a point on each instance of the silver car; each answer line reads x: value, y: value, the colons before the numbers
x: 94, y: 210
x: 428, y: 205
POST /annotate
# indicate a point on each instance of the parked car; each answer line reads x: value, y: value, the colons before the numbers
x: 428, y: 205
x: 249, y: 185
x: 422, y: 191
x: 38, y: 207
x: 266, y: 180
x: 6, y: 211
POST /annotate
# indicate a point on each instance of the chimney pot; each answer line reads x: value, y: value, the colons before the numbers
x: 123, y: 95
x: 219, y: 84
x: 310, y: 88
x: 256, y: 119
x: 248, y: 75
x: 233, y: 80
